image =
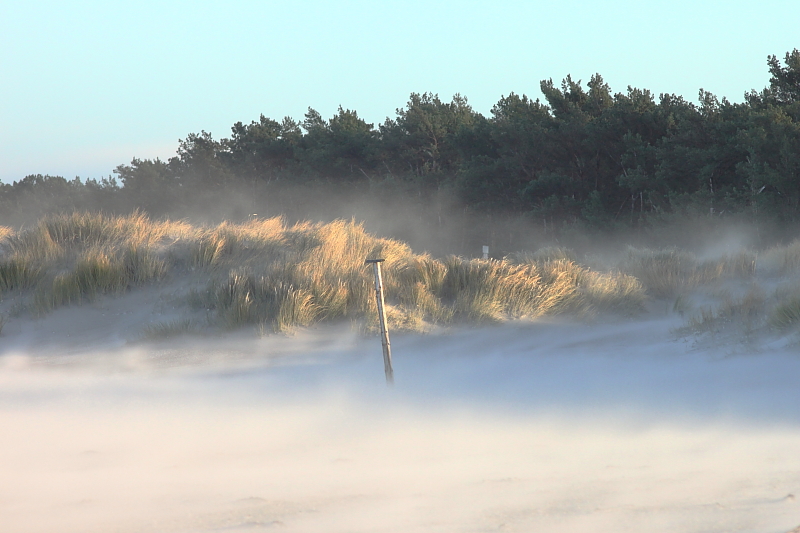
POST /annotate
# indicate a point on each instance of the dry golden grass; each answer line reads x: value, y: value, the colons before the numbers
x: 100, y: 271
x: 780, y: 260
x: 276, y: 277
x: 18, y: 273
x: 5, y: 232
x: 616, y: 292
x: 669, y: 272
x: 298, y: 274
x: 547, y: 253
x: 67, y: 259
x: 743, y: 315
x: 730, y: 287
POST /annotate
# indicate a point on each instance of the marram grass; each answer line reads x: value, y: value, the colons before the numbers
x: 780, y: 260
x: 168, y: 329
x: 786, y: 314
x: 18, y: 272
x: 743, y: 315
x: 668, y: 272
x: 275, y: 277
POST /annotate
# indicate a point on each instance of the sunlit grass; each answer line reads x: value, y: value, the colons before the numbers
x: 5, y: 232
x: 276, y: 276
x: 18, y: 272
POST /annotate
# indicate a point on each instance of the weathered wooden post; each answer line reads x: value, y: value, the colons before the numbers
x: 387, y: 349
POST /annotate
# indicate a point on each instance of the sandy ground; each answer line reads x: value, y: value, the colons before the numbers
x: 541, y: 427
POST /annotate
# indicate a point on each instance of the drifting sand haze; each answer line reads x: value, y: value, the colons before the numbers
x: 500, y: 429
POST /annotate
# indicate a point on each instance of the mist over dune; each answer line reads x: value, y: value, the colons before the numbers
x: 592, y: 294
x: 157, y: 375
x: 550, y: 426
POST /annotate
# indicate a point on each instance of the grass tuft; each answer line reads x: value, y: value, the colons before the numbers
x: 667, y: 273
x: 786, y: 313
x: 780, y: 260
x: 19, y: 272
x: 169, y: 329
x: 247, y: 299
x: 548, y: 253
x: 276, y: 277
x: 742, y: 315
x: 664, y: 273
x: 142, y: 265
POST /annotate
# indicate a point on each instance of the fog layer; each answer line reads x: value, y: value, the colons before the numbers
x: 538, y: 427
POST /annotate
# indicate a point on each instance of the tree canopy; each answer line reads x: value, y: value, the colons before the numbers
x: 584, y: 153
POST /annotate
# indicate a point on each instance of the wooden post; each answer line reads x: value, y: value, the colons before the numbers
x: 387, y: 349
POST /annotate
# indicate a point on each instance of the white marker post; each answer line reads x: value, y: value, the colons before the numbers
x: 486, y: 252
x: 387, y: 349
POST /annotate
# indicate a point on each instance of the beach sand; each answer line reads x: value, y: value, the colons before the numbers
x: 531, y: 426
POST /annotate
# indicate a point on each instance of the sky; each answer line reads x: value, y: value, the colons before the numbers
x: 88, y: 85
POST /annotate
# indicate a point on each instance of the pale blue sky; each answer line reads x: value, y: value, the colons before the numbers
x: 85, y: 86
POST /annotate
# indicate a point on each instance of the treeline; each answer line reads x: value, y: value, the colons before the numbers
x: 585, y: 155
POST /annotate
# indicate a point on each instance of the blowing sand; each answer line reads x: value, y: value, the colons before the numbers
x: 529, y: 427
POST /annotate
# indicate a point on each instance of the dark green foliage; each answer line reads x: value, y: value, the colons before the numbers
x: 584, y: 155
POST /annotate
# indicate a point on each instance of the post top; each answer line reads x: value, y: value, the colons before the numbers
x: 374, y: 261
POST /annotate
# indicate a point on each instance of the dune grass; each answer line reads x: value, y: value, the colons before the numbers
x: 18, y: 273
x: 780, y: 260
x: 276, y: 277
x: 742, y: 315
x: 100, y: 271
x: 68, y: 259
x: 668, y: 272
x: 731, y: 288
x: 168, y: 329
x: 786, y: 313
